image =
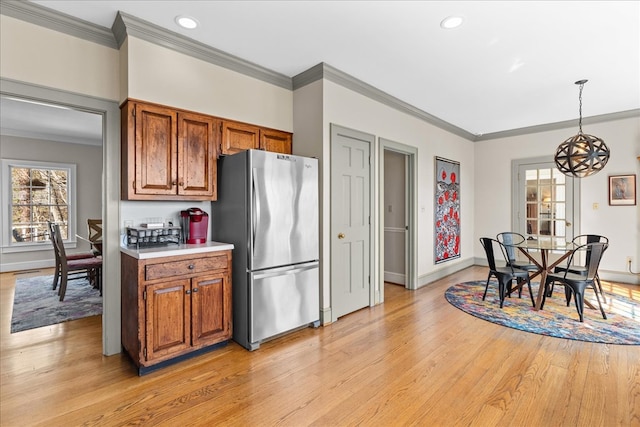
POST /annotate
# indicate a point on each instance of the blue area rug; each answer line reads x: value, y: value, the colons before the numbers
x: 35, y: 304
x: 622, y: 325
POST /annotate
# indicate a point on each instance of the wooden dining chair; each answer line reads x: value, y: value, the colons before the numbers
x: 89, y: 267
x: 69, y: 257
x: 95, y: 234
x: 504, y: 275
x: 576, y: 284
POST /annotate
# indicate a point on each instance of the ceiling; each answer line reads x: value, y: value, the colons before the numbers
x: 510, y: 65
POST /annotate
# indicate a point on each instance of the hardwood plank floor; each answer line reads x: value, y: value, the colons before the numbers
x: 414, y: 360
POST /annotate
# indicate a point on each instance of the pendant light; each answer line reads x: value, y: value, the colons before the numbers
x: 581, y: 155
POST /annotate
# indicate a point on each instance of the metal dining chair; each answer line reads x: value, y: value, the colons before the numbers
x: 504, y: 275
x: 573, y: 266
x: 509, y: 241
x: 576, y: 284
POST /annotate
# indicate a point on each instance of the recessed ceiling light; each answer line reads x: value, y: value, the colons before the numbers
x: 451, y: 22
x: 186, y: 22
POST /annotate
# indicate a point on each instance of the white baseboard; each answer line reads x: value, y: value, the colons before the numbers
x: 27, y: 265
x: 392, y: 277
x: 445, y: 271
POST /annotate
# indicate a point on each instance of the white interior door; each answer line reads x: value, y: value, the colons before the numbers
x: 350, y: 221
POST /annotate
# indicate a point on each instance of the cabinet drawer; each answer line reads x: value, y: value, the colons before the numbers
x: 189, y: 266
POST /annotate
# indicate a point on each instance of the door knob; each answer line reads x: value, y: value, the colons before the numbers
x: 568, y: 224
x: 340, y: 235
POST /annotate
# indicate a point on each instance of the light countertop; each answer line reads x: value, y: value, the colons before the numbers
x: 173, y: 250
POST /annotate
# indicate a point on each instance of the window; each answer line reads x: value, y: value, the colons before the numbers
x: 34, y: 193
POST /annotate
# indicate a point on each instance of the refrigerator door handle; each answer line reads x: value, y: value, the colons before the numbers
x: 255, y: 212
x: 295, y: 269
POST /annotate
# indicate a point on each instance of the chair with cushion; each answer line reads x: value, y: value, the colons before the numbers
x: 576, y: 284
x: 69, y: 257
x: 89, y: 267
x: 504, y: 275
x: 573, y: 266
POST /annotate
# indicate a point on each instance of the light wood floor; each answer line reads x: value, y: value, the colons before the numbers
x: 415, y: 360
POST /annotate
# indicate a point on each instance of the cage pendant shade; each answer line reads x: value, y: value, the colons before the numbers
x: 581, y: 155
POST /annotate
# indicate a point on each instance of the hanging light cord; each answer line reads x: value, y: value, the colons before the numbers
x: 580, y: 99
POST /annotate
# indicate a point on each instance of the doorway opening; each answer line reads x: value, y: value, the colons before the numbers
x: 110, y: 192
x: 397, y: 214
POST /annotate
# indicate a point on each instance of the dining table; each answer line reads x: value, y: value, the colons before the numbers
x: 545, y: 265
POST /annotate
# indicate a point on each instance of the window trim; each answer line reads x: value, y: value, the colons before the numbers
x: 8, y: 246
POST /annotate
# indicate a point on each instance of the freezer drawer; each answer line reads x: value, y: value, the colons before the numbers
x: 283, y: 299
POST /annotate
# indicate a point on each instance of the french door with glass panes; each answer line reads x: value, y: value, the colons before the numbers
x: 545, y: 203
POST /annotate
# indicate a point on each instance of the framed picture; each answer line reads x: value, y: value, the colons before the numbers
x: 446, y: 236
x: 622, y: 190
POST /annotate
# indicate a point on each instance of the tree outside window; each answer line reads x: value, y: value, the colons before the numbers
x: 40, y: 192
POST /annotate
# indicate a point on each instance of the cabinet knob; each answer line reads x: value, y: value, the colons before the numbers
x: 181, y: 184
x: 173, y: 182
x: 188, y: 292
x: 191, y: 266
x: 195, y: 289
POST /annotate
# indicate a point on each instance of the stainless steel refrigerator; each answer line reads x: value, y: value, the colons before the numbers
x: 268, y: 208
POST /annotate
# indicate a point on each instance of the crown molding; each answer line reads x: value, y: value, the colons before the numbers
x: 127, y: 25
x: 559, y: 125
x: 326, y: 71
x: 152, y: 33
x: 53, y: 20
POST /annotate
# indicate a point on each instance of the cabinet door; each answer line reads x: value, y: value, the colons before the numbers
x: 238, y: 137
x: 155, y: 150
x: 211, y: 309
x: 168, y: 318
x: 197, y: 155
x: 274, y: 140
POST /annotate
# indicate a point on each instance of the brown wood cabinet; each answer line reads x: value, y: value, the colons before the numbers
x: 238, y: 137
x: 275, y: 140
x: 175, y: 307
x: 168, y: 154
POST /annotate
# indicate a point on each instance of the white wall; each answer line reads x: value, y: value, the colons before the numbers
x: 167, y: 77
x: 349, y: 109
x: 621, y: 224
x: 33, y: 54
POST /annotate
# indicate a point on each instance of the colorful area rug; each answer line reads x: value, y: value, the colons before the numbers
x: 622, y: 325
x: 35, y: 304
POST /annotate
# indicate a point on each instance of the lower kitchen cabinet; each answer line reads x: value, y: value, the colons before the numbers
x: 175, y: 307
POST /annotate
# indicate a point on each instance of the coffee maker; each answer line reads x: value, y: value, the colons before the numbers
x: 194, y: 223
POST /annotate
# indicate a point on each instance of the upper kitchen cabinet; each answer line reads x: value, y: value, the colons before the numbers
x: 275, y: 140
x: 238, y: 137
x: 167, y: 154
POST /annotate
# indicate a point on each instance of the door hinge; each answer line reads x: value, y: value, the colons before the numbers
x: 144, y: 295
x: 133, y: 112
x: 144, y: 352
x: 133, y: 184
